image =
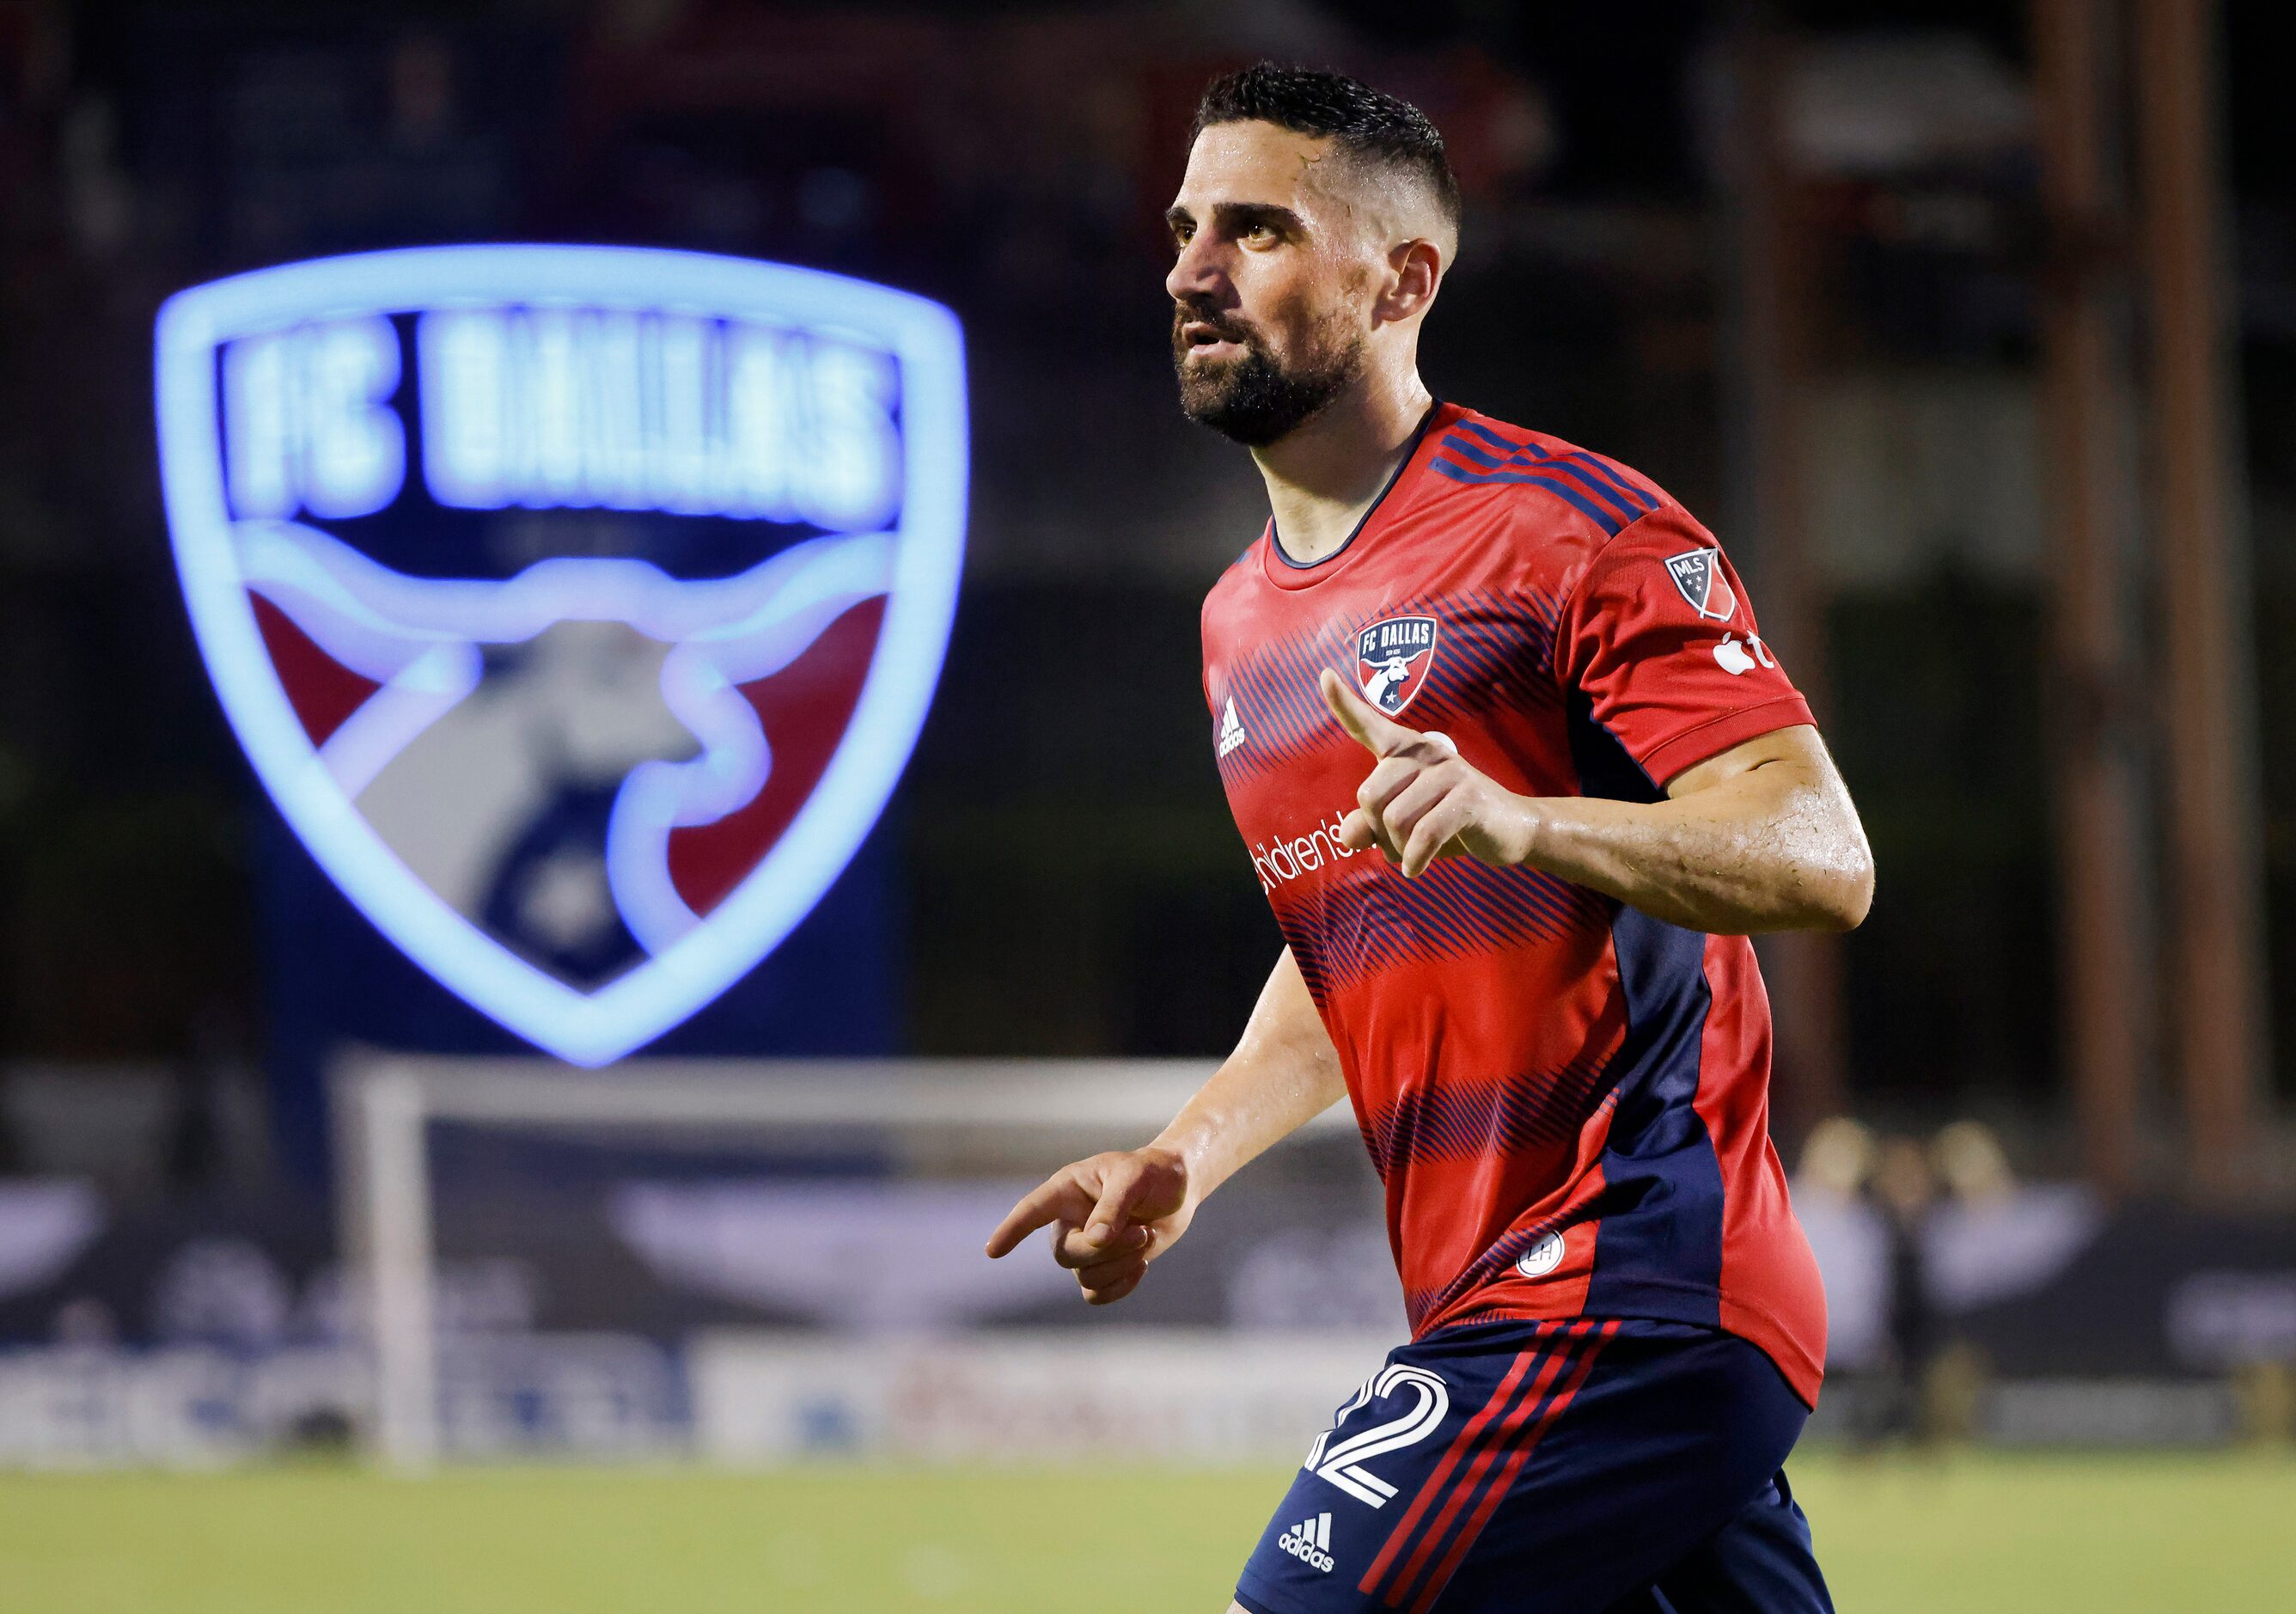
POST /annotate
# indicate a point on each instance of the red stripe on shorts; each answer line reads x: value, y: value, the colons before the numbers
x: 1506, y: 1475
x: 1428, y: 1492
x: 1463, y: 1491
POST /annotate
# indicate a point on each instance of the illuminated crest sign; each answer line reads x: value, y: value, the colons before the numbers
x: 578, y: 606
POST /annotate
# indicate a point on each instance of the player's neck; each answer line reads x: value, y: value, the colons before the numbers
x: 1325, y: 475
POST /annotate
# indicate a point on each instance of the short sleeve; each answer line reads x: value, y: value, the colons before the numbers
x: 1660, y: 639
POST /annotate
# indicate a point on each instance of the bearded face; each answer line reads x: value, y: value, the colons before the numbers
x: 1254, y: 388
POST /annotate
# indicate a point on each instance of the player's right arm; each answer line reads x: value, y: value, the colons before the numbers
x: 1113, y: 1213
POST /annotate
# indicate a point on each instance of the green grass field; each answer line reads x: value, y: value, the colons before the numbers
x: 1967, y: 1535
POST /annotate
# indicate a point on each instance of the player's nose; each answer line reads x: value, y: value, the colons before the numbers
x: 1196, y: 273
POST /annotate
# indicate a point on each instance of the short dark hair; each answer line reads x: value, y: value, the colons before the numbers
x: 1367, y: 124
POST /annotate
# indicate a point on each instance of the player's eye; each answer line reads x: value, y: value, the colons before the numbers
x: 1258, y: 235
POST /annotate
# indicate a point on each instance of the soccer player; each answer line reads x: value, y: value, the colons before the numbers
x: 1515, y: 891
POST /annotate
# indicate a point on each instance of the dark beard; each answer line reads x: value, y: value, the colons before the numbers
x: 1254, y: 400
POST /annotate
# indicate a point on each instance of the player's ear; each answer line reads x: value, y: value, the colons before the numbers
x: 1415, y: 270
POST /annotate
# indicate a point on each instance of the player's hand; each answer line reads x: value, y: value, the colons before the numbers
x: 1111, y: 1216
x: 1421, y: 801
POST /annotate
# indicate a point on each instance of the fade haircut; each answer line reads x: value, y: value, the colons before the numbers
x: 1369, y: 126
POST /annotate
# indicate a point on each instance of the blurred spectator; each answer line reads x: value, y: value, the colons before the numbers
x: 1836, y: 1159
x: 1904, y: 1191
x: 1972, y: 1164
x: 1989, y: 1230
x: 1845, y: 1235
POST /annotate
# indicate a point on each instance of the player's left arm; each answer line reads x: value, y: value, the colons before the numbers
x: 1734, y: 818
x: 1762, y: 836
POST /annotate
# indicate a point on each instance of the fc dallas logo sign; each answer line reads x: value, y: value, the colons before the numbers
x: 1392, y: 659
x: 577, y: 606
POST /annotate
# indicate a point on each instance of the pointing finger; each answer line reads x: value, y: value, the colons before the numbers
x: 1368, y: 727
x: 1039, y: 1208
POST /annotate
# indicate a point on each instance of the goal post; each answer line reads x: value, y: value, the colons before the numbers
x: 386, y: 1104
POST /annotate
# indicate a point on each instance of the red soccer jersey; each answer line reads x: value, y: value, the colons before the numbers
x: 1566, y: 1099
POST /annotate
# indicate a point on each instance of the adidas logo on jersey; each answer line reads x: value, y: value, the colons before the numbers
x: 1309, y: 1541
x: 1230, y: 730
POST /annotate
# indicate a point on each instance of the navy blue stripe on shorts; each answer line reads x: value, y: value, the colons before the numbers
x: 1594, y: 1467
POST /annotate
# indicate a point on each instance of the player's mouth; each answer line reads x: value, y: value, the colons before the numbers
x: 1199, y: 338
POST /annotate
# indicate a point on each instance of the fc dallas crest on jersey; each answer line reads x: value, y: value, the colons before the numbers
x: 1391, y: 660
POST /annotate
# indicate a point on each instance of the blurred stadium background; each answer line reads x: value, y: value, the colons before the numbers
x: 1969, y: 326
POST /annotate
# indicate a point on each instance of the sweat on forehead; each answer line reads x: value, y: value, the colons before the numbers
x: 1249, y: 161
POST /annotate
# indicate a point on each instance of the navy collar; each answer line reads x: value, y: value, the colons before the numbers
x: 1410, y: 453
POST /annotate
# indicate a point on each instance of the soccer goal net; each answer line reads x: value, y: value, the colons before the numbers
x: 754, y: 1262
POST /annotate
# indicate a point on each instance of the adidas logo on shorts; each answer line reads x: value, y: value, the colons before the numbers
x: 1309, y: 1542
